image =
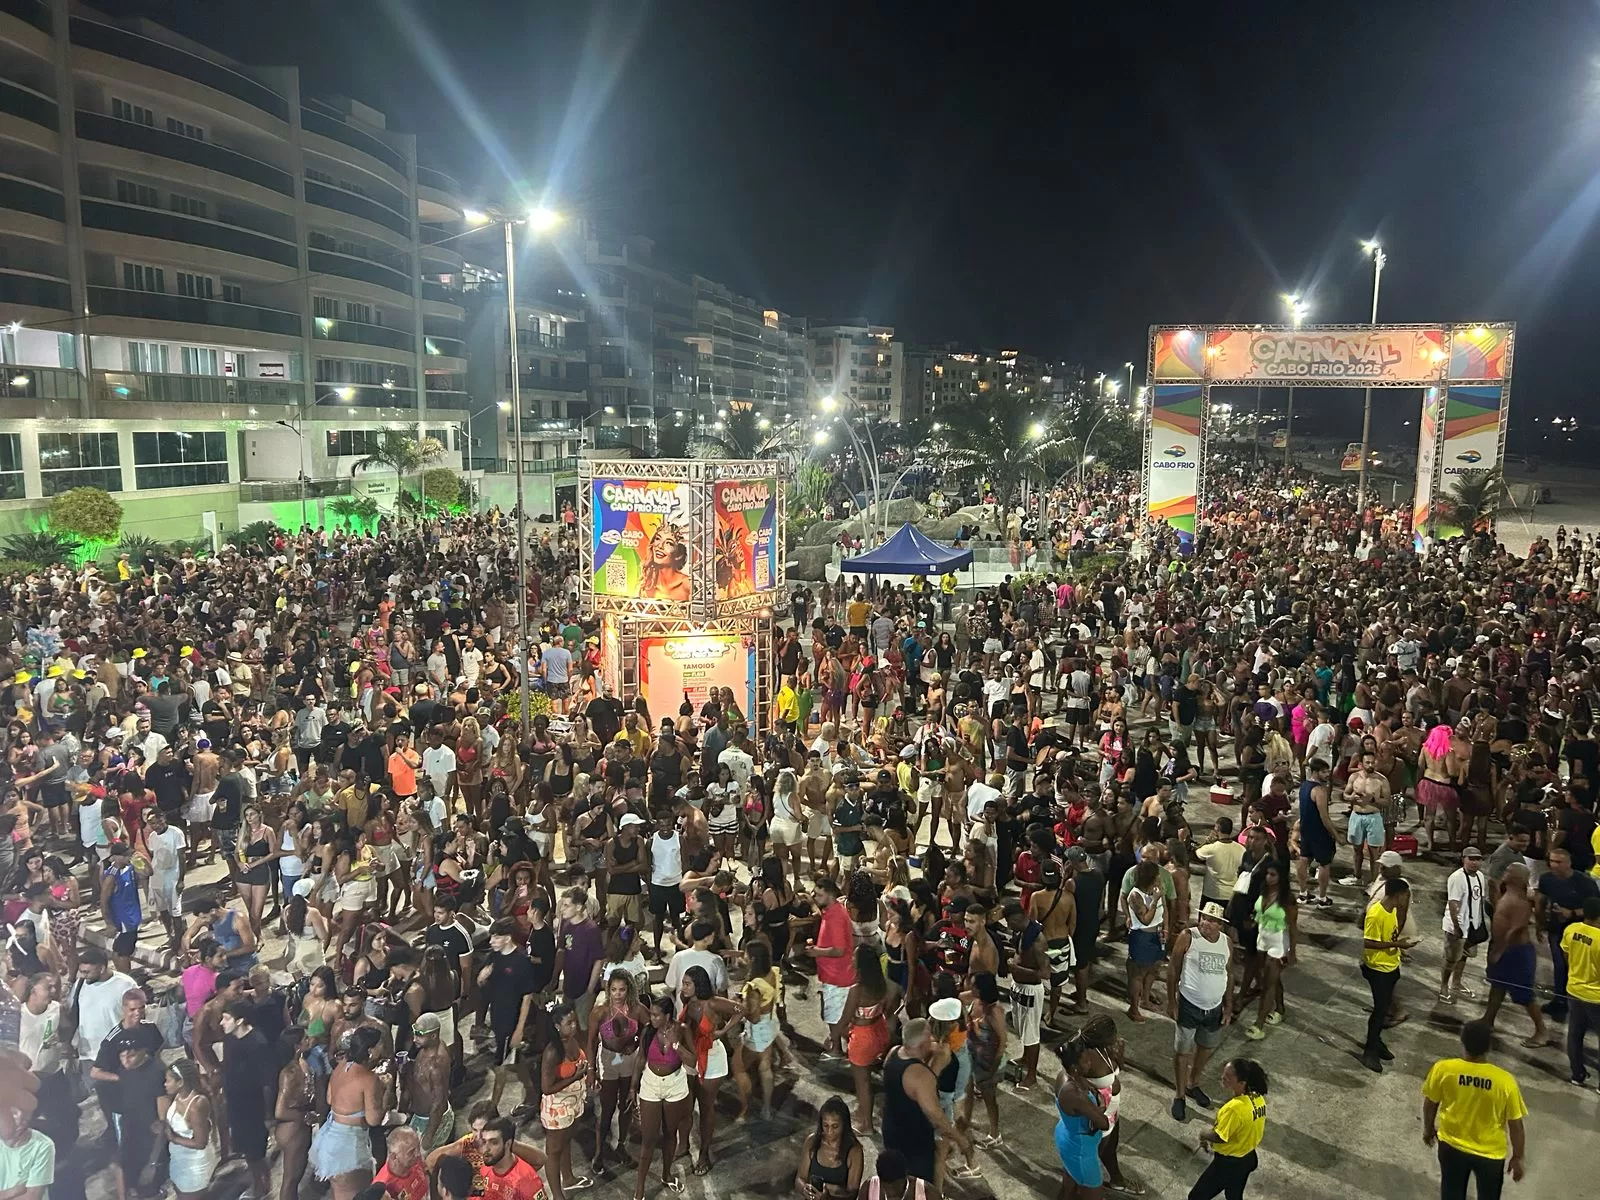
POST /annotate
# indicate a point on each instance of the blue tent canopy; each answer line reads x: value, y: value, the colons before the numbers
x: 908, y: 552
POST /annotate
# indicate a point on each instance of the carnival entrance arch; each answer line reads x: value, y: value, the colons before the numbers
x: 1464, y: 371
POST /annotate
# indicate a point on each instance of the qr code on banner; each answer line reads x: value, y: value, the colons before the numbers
x: 763, y: 574
x: 616, y: 576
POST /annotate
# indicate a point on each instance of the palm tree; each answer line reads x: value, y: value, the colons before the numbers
x: 1004, y: 437
x: 1474, y: 500
x: 396, y: 452
x: 742, y: 434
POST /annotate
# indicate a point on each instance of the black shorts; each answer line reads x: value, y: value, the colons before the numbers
x: 666, y: 901
x: 249, y: 1134
x: 53, y: 795
x: 122, y: 945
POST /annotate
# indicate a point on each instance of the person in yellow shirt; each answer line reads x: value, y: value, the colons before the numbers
x: 947, y: 594
x: 1381, y: 944
x: 1241, y: 1122
x: 1473, y: 1109
x: 1580, y: 942
x: 857, y: 612
x: 1594, y: 844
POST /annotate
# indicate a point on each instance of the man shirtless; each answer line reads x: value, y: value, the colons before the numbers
x: 1367, y: 791
x: 813, y: 797
x: 205, y: 1036
x: 1055, y: 907
x: 1513, y: 956
x: 352, y: 1016
x: 983, y: 956
x: 205, y: 769
x: 428, y: 1084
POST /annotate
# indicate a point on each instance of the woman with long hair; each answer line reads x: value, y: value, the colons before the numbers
x: 616, y: 1027
x: 256, y: 855
x: 986, y: 1036
x: 1232, y: 1140
x: 1146, y: 911
x: 564, y: 1083
x: 902, y: 948
x: 297, y: 1108
x: 664, y: 1100
x: 353, y: 867
x: 708, y: 1018
x: 63, y: 903
x: 777, y: 899
x: 1101, y: 1065
x: 319, y: 1012
x: 424, y: 877
x: 866, y: 1007
x: 341, y: 1150
x: 1436, y: 786
x: 470, y: 765
x: 438, y: 974
x: 185, y: 1115
x: 1081, y: 1123
x: 831, y: 1157
x: 760, y: 1032
x: 1277, y: 930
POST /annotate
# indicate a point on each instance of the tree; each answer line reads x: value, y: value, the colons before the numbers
x: 1002, y: 437
x: 1474, y: 500
x: 441, y: 486
x: 398, y: 453
x: 87, y: 513
x: 44, y: 547
x: 744, y: 435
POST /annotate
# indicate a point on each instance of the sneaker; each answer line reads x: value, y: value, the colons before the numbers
x: 1179, y: 1110
x: 1255, y: 1033
x: 1578, y: 1082
x: 1323, y: 902
x: 1372, y: 1063
x: 1199, y: 1097
x: 1307, y: 897
x: 1350, y: 881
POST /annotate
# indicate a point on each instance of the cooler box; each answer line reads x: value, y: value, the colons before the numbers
x: 1403, y: 844
x: 1222, y: 795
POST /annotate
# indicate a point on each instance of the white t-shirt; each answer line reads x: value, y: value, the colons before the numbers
x: 38, y: 1037
x: 740, y: 764
x: 438, y: 764
x: 1467, y: 892
x: 666, y: 860
x: 165, y: 848
x: 683, y: 960
x: 99, y: 1010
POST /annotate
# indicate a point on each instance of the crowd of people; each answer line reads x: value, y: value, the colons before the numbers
x: 965, y: 810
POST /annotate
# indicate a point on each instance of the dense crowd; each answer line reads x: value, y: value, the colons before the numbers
x: 967, y: 809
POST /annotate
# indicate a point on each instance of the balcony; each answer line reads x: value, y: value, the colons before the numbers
x: 332, y: 128
x: 24, y: 195
x: 529, y: 340
x: 98, y: 127
x: 120, y: 43
x: 446, y: 347
x: 195, y: 231
x: 270, y: 491
x: 363, y: 395
x: 440, y: 294
x: 437, y: 180
x: 355, y: 205
x: 39, y: 383
x: 548, y: 383
x: 158, y: 306
x: 327, y: 262
x: 34, y: 291
x: 34, y: 12
x: 28, y: 104
x: 328, y: 329
x: 132, y: 387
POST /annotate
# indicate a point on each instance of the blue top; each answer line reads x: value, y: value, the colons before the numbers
x: 226, y: 933
x: 124, y: 903
x: 1310, y: 817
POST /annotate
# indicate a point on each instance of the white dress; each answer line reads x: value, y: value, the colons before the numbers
x: 190, y: 1169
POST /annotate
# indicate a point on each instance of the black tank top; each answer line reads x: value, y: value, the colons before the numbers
x: 620, y: 884
x: 905, y: 1126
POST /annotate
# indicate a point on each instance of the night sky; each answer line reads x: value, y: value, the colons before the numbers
x: 1010, y: 181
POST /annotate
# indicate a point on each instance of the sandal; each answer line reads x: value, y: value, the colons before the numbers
x: 966, y: 1171
x: 702, y: 1167
x: 578, y: 1184
x: 674, y: 1184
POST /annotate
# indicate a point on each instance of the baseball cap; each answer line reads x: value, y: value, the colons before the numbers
x: 1390, y: 858
x: 948, y: 1009
x: 1076, y: 854
x: 1472, y: 852
x: 630, y: 819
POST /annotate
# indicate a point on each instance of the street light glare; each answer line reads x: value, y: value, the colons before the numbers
x: 504, y: 406
x: 828, y: 403
x: 1036, y: 431
x: 820, y: 437
x: 1371, y: 246
x: 475, y: 216
x: 543, y: 220
x: 345, y: 393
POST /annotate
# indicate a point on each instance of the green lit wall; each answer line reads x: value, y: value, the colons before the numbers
x: 163, y: 516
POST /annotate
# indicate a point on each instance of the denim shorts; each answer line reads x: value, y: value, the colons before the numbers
x: 1366, y: 829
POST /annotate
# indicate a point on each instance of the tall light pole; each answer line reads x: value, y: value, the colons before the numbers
x: 540, y: 220
x: 1129, y: 366
x: 1298, y: 308
x: 869, y: 463
x: 1379, y: 260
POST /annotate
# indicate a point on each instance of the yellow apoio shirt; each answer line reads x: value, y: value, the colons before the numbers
x: 1381, y: 925
x: 1475, y: 1101
x: 1580, y: 942
x: 1594, y: 842
x: 1241, y: 1123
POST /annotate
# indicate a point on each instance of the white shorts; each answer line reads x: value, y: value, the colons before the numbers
x: 355, y: 894
x: 1027, y: 1008
x: 818, y: 826
x: 166, y: 897
x: 198, y: 807
x: 786, y: 833
x: 1273, y: 943
x: 833, y: 996
x: 663, y: 1088
x: 716, y: 1062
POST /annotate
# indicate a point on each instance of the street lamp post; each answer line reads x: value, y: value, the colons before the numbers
x: 1379, y: 260
x: 299, y: 434
x: 1298, y: 308
x: 1129, y: 365
x: 869, y: 463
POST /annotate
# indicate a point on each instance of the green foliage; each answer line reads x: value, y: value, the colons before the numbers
x: 357, y: 513
x: 88, y: 513
x: 398, y: 453
x: 137, y: 545
x: 1000, y: 436
x: 258, y: 533
x: 199, y: 547
x: 441, y: 486
x: 17, y: 566
x: 45, y: 547
x: 743, y: 435
x: 672, y: 440
x: 538, y: 702
x: 1474, y: 499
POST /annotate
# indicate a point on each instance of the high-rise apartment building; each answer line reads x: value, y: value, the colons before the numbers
x: 861, y: 362
x: 938, y: 377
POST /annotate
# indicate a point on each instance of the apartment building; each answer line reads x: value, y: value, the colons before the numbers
x: 940, y: 376
x: 861, y: 362
x: 208, y: 280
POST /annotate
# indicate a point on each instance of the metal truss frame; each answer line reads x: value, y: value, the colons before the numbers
x: 760, y: 632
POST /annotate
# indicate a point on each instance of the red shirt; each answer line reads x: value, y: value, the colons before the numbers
x: 521, y: 1182
x: 834, y: 933
x: 413, y: 1185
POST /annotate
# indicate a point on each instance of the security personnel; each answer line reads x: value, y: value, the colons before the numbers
x: 1470, y: 1106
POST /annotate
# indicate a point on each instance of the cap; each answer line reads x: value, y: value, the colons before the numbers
x: 425, y: 1023
x: 948, y: 1009
x: 908, y: 751
x: 630, y: 819
x: 203, y: 743
x: 304, y: 886
x: 1390, y: 858
x: 1214, y: 909
x: 1472, y: 852
x: 1076, y: 854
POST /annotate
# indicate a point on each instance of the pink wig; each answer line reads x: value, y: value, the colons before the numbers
x: 1438, y: 742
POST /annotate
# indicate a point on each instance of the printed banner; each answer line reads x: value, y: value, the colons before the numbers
x: 1174, y: 477
x: 1471, y: 429
x: 1352, y: 457
x: 1280, y: 439
x: 672, y: 665
x: 1427, y: 460
x: 746, y: 514
x: 641, y: 539
x: 1179, y: 354
x: 1377, y: 356
x: 1480, y: 352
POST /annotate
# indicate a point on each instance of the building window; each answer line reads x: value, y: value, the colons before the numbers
x: 198, y: 286
x: 351, y: 443
x: 358, y: 312
x: 137, y: 193
x: 232, y: 293
x: 137, y: 277
x: 69, y: 460
x: 11, y: 466
x: 199, y: 360
x: 150, y: 357
x: 325, y: 306
x: 188, y: 205
x: 182, y: 459
x: 137, y: 113
x: 184, y: 129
